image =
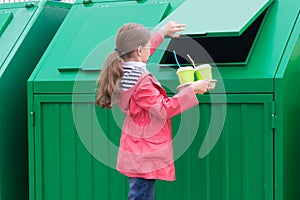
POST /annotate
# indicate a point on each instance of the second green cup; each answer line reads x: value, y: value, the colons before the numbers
x: 203, y: 72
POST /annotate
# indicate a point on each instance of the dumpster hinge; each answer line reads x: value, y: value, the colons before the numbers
x: 273, y: 115
x: 32, y: 118
x: 32, y: 114
x: 87, y: 2
x: 29, y: 5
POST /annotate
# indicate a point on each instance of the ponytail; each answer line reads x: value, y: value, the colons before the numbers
x: 130, y: 36
x: 108, y: 81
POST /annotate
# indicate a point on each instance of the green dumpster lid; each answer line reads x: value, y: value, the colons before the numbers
x: 218, y: 18
x: 99, y: 28
x: 12, y: 23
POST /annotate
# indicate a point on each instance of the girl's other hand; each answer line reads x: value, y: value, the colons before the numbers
x: 171, y: 29
x: 200, y: 86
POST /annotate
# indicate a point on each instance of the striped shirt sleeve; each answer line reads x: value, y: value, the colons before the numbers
x: 130, y: 77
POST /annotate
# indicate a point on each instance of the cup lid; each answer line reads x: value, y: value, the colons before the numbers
x: 203, y: 66
x: 185, y: 68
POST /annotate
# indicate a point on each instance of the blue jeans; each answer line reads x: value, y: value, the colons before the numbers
x: 141, y: 189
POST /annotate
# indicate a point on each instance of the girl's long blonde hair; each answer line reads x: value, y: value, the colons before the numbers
x: 129, y: 37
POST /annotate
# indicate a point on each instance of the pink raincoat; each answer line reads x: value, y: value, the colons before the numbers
x: 146, y: 142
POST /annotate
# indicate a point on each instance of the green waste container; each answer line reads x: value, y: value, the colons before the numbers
x: 25, y: 31
x: 239, y: 143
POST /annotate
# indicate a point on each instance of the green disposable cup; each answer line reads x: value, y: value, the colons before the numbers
x: 185, y: 75
x: 203, y: 72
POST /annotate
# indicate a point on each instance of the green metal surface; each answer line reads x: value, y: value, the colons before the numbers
x: 22, y: 44
x: 5, y: 18
x: 218, y: 18
x: 287, y: 108
x: 214, y: 50
x: 97, y: 16
x: 61, y: 62
x: 291, y: 163
x: 22, y: 16
x: 255, y: 156
x: 66, y: 169
x: 68, y: 42
x: 101, y: 1
x: 175, y: 3
x: 255, y: 77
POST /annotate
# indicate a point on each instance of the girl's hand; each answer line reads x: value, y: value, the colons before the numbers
x: 171, y: 29
x: 200, y: 86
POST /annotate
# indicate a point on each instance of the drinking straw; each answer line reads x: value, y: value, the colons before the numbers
x: 191, y: 60
x: 176, y: 58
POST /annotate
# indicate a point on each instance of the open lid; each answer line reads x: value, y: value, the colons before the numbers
x: 218, y: 18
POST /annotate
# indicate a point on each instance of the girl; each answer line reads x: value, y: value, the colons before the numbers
x: 145, y: 152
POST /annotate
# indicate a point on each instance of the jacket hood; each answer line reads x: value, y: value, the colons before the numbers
x: 124, y: 98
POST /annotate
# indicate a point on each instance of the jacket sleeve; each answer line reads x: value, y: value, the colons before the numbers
x: 149, y: 97
x: 156, y: 40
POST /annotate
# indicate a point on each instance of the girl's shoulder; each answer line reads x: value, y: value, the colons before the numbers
x: 148, y: 78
